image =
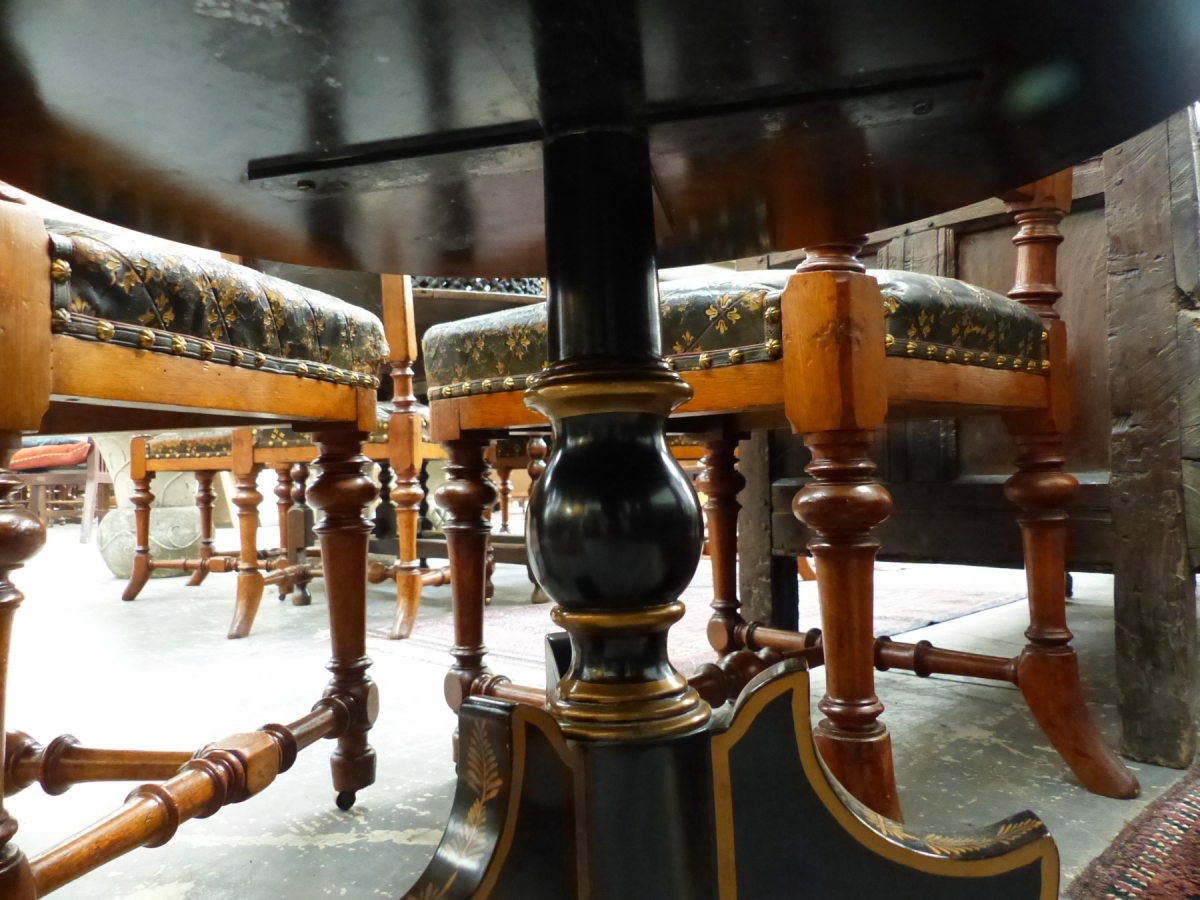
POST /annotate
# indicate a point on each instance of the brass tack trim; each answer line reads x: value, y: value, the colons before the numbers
x: 260, y: 360
x: 207, y: 349
x: 145, y: 338
x: 888, y: 340
x: 705, y: 361
x: 509, y: 384
x: 486, y: 385
x: 60, y: 320
x: 735, y: 356
x: 301, y: 368
x: 178, y: 345
x: 60, y: 271
x: 105, y: 330
x: 772, y: 314
x: 774, y: 349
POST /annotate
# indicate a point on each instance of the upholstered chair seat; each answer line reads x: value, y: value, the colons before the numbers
x: 218, y: 442
x: 120, y: 287
x: 710, y: 323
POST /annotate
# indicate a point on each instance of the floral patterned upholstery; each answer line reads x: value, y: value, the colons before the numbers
x: 736, y: 320
x: 218, y: 442
x: 109, y: 285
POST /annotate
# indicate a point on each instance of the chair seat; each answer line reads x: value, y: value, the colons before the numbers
x: 218, y: 442
x: 736, y: 321
x: 114, y: 285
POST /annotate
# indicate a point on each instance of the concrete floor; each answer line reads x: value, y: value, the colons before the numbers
x: 159, y: 673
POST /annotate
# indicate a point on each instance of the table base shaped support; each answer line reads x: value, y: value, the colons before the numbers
x: 537, y: 816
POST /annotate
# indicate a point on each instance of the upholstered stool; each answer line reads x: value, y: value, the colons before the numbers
x: 835, y: 351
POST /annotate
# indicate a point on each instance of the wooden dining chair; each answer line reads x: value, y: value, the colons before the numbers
x: 834, y: 351
x: 245, y: 452
x: 102, y: 329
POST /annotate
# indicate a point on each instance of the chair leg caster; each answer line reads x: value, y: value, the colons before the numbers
x: 345, y: 800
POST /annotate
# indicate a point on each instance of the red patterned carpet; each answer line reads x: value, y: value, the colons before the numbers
x: 1155, y: 857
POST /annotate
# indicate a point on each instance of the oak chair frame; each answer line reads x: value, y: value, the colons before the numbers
x: 835, y: 385
x: 56, y: 383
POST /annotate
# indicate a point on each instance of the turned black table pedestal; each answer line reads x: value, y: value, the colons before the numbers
x: 626, y: 785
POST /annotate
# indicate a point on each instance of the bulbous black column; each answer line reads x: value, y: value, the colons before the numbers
x: 614, y: 525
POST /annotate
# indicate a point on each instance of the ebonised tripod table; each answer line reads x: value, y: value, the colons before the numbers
x: 590, y: 141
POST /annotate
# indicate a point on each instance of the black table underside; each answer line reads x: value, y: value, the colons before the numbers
x: 405, y: 135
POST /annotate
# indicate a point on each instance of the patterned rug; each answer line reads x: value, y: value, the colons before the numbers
x: 903, y: 601
x: 1155, y: 857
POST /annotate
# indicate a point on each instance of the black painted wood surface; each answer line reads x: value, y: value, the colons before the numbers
x: 405, y: 135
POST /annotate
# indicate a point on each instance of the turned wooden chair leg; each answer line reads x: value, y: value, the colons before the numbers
x: 204, y: 502
x: 720, y: 482
x: 406, y: 496
x: 1048, y: 669
x: 537, y: 450
x: 467, y: 496
x: 21, y: 536
x: 250, y: 576
x: 342, y: 492
x: 298, y: 526
x: 841, y: 505
x: 283, y: 503
x: 141, y: 499
x: 504, y: 482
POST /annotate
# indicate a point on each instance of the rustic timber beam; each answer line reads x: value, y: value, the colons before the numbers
x: 1150, y: 214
